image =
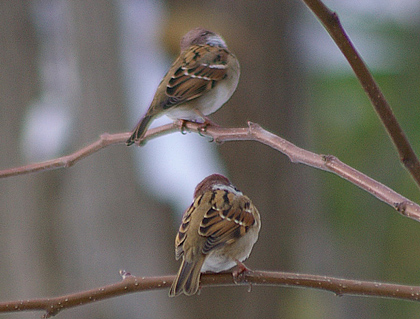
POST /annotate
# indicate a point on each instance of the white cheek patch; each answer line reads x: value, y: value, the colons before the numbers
x: 215, y: 40
x: 228, y: 188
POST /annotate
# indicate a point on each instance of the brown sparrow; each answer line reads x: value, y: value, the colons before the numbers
x: 217, y: 232
x: 199, y: 82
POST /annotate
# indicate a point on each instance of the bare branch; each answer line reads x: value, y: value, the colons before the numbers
x: 131, y: 284
x: 331, y: 23
x: 253, y: 132
x: 69, y: 160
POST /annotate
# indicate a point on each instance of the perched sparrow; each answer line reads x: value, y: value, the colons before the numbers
x: 217, y: 232
x: 200, y: 81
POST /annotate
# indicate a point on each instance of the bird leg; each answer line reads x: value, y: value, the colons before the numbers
x: 239, y: 271
x: 207, y: 121
x: 184, y: 129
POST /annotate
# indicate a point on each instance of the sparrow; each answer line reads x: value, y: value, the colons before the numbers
x: 199, y: 82
x: 217, y: 232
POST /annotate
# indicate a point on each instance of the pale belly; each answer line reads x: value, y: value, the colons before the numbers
x: 206, y: 104
x: 220, y: 260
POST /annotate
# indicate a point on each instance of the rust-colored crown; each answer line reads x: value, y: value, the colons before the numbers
x: 207, y: 184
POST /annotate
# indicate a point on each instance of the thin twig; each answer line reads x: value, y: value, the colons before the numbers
x: 69, y: 160
x: 131, y: 284
x: 331, y: 23
x: 253, y: 132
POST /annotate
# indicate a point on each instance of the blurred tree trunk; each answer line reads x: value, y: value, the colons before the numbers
x: 106, y: 222
x: 23, y: 274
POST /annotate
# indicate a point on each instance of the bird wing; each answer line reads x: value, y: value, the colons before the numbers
x: 195, y: 72
x: 228, y: 219
x: 182, y: 232
x: 215, y: 218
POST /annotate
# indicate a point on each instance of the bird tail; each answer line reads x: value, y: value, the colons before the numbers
x: 140, y: 130
x: 187, y: 279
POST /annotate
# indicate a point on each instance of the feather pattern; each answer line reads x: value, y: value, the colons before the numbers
x: 197, y: 71
x: 217, y: 230
x: 226, y: 221
x: 192, y: 87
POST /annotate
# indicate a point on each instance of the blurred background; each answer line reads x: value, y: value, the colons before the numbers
x: 72, y: 70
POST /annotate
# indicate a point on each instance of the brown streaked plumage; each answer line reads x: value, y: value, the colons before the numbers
x: 217, y: 232
x: 199, y: 82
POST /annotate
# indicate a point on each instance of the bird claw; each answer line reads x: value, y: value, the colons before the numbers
x: 239, y: 272
x: 202, y: 129
x: 184, y: 129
